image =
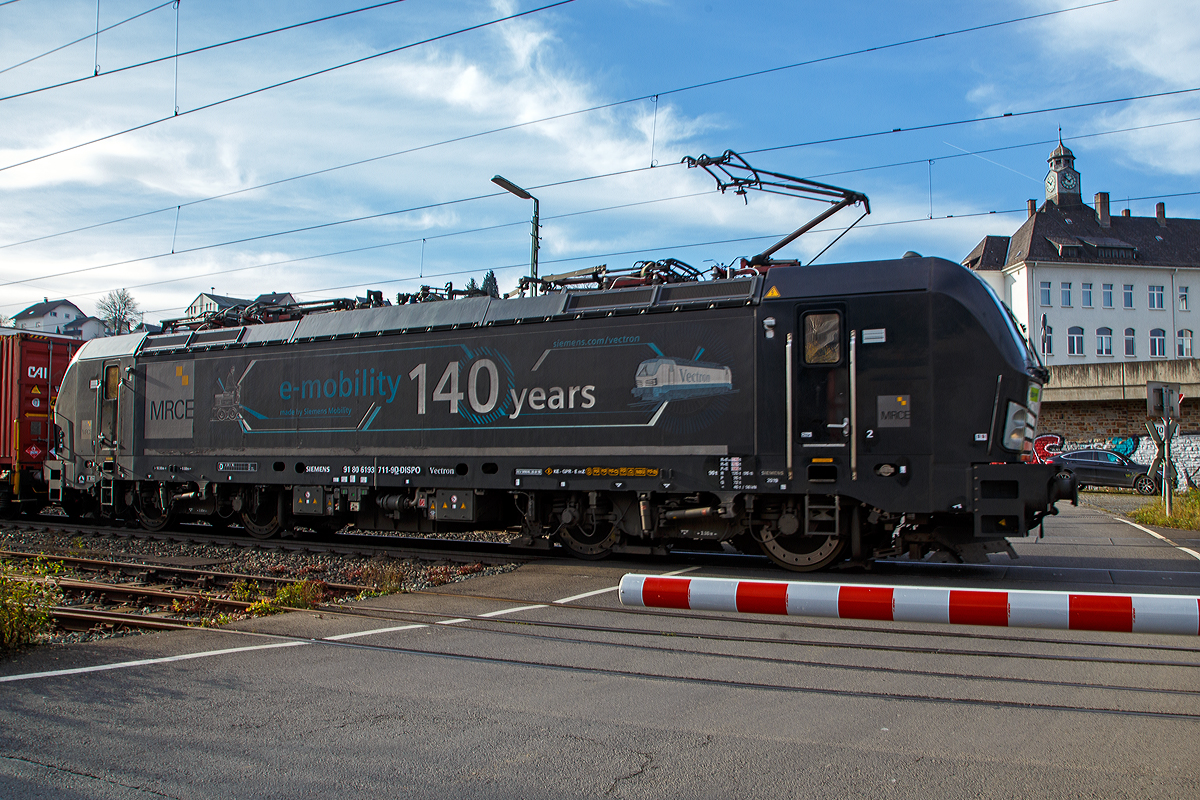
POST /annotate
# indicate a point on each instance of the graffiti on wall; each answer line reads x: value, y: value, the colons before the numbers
x: 1185, y: 451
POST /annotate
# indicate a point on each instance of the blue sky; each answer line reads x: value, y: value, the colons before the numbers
x: 580, y: 55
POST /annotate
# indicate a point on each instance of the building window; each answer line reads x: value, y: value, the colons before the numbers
x: 1075, y: 341
x: 1130, y: 342
x: 1045, y: 298
x: 1066, y: 294
x: 1086, y: 291
x: 1104, y: 341
x: 1183, y: 306
x: 1129, y: 295
x: 1158, y: 343
x: 1183, y: 343
x: 1156, y: 297
x: 1107, y: 295
x: 1047, y: 341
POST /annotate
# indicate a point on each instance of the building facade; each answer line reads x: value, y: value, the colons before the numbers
x: 48, y: 316
x: 1090, y: 287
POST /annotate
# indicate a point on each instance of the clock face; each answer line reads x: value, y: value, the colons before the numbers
x: 1050, y: 182
x: 1068, y: 180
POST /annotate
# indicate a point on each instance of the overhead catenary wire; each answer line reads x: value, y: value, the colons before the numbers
x: 279, y: 181
x: 643, y: 251
x: 287, y: 82
x: 363, y: 218
x: 603, y: 106
x: 201, y: 49
x: 105, y: 29
x: 384, y: 245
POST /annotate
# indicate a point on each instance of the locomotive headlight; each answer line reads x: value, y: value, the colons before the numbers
x: 1018, y: 421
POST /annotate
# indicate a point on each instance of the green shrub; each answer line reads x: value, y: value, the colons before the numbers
x: 262, y: 608
x: 245, y: 591
x: 304, y: 594
x: 24, y: 608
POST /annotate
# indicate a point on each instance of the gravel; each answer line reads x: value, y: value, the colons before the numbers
x: 1115, y: 501
x: 377, y: 575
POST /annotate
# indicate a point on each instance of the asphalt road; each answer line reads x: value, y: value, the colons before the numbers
x: 584, y: 699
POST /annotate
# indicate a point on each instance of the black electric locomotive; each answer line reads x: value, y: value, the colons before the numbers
x: 820, y: 413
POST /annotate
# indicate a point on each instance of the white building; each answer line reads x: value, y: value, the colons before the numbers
x: 207, y: 303
x: 1093, y: 288
x: 48, y: 316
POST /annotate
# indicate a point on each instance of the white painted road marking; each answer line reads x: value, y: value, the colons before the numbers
x: 573, y: 598
x: 1157, y: 535
x: 58, y: 673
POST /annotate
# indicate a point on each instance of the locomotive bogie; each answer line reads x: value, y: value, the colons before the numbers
x: 816, y: 412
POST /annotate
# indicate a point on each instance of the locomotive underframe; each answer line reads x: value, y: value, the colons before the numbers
x: 590, y: 518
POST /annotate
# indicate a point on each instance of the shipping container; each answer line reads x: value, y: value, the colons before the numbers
x: 31, y: 370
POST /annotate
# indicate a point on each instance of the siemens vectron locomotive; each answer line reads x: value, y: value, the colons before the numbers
x: 819, y: 413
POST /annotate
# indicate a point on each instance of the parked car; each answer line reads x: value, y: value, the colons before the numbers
x: 1106, y: 468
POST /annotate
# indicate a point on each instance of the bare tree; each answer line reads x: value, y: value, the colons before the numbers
x: 119, y: 311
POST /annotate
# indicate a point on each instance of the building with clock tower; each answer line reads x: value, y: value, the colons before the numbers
x: 1062, y: 181
x: 1108, y: 300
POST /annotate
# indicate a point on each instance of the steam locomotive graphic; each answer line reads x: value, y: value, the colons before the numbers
x: 666, y: 378
x: 227, y: 402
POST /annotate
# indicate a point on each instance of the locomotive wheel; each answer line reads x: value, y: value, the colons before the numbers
x: 153, y: 518
x: 262, y: 522
x: 802, y: 553
x: 591, y: 542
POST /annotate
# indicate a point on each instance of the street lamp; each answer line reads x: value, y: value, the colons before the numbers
x: 509, y: 186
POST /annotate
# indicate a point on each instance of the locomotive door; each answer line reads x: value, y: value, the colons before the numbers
x: 821, y: 391
x: 109, y: 394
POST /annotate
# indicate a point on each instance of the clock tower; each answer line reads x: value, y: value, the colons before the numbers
x: 1062, y: 181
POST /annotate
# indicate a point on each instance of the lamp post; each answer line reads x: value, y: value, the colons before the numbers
x: 509, y: 186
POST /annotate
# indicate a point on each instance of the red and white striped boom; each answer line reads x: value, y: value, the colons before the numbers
x: 1137, y: 613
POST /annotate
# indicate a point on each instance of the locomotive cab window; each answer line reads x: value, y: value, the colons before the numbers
x: 822, y: 338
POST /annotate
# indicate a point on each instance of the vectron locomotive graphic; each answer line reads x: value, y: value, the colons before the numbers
x: 818, y: 413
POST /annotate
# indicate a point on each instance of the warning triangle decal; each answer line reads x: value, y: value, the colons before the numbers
x: 772, y: 292
x: 35, y: 391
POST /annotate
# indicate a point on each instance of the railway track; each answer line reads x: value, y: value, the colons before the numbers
x: 455, y: 550
x: 138, y: 596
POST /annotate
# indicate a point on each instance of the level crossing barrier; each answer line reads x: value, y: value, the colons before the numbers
x: 1136, y: 613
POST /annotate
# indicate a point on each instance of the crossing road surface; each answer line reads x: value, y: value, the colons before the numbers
x: 538, y: 684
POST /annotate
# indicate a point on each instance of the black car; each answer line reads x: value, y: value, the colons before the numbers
x: 1106, y: 468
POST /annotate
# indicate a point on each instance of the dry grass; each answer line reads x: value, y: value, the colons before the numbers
x: 1185, y: 512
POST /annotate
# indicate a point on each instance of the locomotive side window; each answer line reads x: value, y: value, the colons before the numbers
x: 112, y: 381
x: 822, y: 338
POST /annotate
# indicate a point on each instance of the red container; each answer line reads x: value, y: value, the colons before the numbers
x: 31, y: 372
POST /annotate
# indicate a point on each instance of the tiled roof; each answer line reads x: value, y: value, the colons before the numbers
x: 44, y: 308
x: 275, y: 298
x: 223, y: 301
x: 1176, y: 243
x: 990, y: 253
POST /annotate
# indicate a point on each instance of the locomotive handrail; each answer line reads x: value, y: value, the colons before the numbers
x: 788, y: 400
x: 853, y: 407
